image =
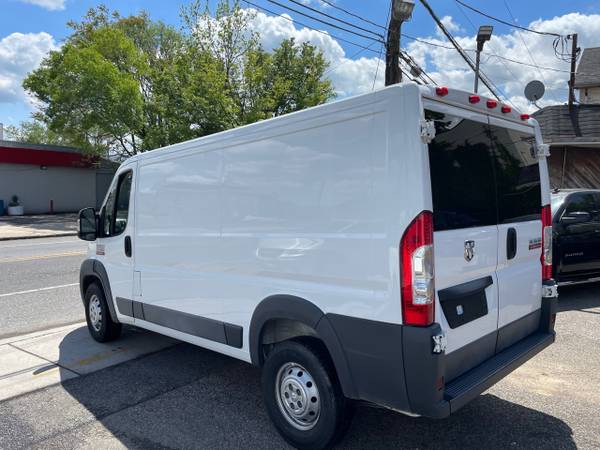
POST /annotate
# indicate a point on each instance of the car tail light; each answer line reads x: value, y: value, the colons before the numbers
x: 546, y: 243
x: 474, y: 98
x: 506, y: 109
x: 417, y: 271
x: 525, y: 116
x: 491, y: 104
x: 441, y: 91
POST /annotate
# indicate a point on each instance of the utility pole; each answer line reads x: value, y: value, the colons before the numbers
x: 401, y: 12
x: 574, y: 52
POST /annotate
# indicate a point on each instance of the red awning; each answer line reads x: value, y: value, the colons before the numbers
x: 24, y: 155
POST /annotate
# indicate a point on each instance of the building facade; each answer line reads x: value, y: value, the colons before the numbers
x: 51, y: 179
x: 574, y: 135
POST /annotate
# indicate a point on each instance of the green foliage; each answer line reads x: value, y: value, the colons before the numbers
x: 123, y: 85
x: 35, y: 132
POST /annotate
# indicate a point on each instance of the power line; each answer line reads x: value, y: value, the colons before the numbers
x: 273, y: 13
x: 447, y: 47
x: 354, y: 55
x: 528, y: 51
x: 334, y: 18
x: 387, y: 18
x: 545, y: 33
x: 324, y: 21
x: 350, y: 13
x: 412, y: 64
x: 488, y: 83
x: 475, y: 29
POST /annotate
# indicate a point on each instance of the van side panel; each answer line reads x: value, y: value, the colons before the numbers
x: 298, y: 216
x: 301, y: 208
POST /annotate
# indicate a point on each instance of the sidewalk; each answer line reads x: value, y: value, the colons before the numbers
x: 41, y: 359
x: 44, y: 225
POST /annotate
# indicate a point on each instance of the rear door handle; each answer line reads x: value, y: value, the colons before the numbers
x: 128, y: 246
x: 511, y: 243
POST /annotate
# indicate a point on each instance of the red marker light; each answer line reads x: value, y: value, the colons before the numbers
x: 524, y: 116
x: 492, y: 103
x: 441, y: 91
x: 474, y: 98
x: 506, y: 109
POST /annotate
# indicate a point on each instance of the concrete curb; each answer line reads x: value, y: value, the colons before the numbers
x: 18, y: 238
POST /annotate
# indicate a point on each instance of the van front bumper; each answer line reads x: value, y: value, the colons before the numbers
x: 399, y: 367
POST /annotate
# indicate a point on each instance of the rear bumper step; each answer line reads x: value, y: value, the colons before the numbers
x: 469, y: 385
x: 430, y: 396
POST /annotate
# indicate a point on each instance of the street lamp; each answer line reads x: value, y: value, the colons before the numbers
x: 401, y: 12
x: 403, y: 9
x: 483, y: 35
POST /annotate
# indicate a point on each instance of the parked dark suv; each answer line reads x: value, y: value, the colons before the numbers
x: 576, y: 235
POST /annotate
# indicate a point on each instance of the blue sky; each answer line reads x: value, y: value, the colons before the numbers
x: 30, y: 28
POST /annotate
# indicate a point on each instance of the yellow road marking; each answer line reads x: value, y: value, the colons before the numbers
x: 34, y: 258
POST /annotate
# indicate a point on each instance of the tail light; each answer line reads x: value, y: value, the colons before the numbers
x: 524, y: 116
x: 546, y: 243
x: 474, y: 98
x: 491, y: 103
x: 441, y: 91
x: 417, y: 271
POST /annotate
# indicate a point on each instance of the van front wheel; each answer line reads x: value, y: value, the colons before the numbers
x: 302, y: 395
x: 101, y: 326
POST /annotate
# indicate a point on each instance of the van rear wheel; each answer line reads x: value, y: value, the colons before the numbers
x: 97, y: 315
x: 302, y: 395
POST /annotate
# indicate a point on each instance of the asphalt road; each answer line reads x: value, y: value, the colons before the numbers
x: 187, y: 397
x: 39, y: 284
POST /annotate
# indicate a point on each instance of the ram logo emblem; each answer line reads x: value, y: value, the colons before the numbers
x: 469, y: 250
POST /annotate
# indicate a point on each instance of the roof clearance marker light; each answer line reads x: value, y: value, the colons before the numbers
x: 506, y: 109
x: 441, y: 91
x: 491, y: 103
x: 524, y: 116
x: 474, y: 98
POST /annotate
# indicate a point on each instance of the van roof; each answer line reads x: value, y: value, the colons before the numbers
x: 454, y: 97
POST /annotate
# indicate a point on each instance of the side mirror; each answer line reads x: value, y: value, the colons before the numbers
x: 576, y: 217
x: 88, y: 225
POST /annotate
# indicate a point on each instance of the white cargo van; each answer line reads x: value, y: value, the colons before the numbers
x: 392, y: 248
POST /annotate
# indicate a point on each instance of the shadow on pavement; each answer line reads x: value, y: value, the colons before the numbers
x: 579, y: 297
x: 188, y: 397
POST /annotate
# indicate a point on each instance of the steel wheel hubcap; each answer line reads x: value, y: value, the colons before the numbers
x: 95, y: 311
x: 297, y: 396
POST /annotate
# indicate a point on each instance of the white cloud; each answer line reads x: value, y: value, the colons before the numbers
x: 353, y: 76
x: 349, y: 76
x: 450, y: 25
x: 20, y: 54
x: 50, y: 5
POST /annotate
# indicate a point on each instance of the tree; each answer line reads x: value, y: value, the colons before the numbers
x: 35, y: 132
x: 123, y: 85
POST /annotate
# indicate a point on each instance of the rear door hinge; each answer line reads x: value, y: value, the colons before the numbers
x: 542, y: 150
x: 427, y: 130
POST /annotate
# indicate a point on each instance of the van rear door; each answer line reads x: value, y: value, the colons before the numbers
x: 465, y: 234
x: 517, y: 172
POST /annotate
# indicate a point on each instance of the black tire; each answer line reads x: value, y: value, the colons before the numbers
x: 335, y: 411
x: 103, y: 330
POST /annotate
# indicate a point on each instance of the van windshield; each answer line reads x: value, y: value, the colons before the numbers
x: 481, y: 174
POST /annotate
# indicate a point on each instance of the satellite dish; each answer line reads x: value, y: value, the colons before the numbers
x: 534, y: 90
